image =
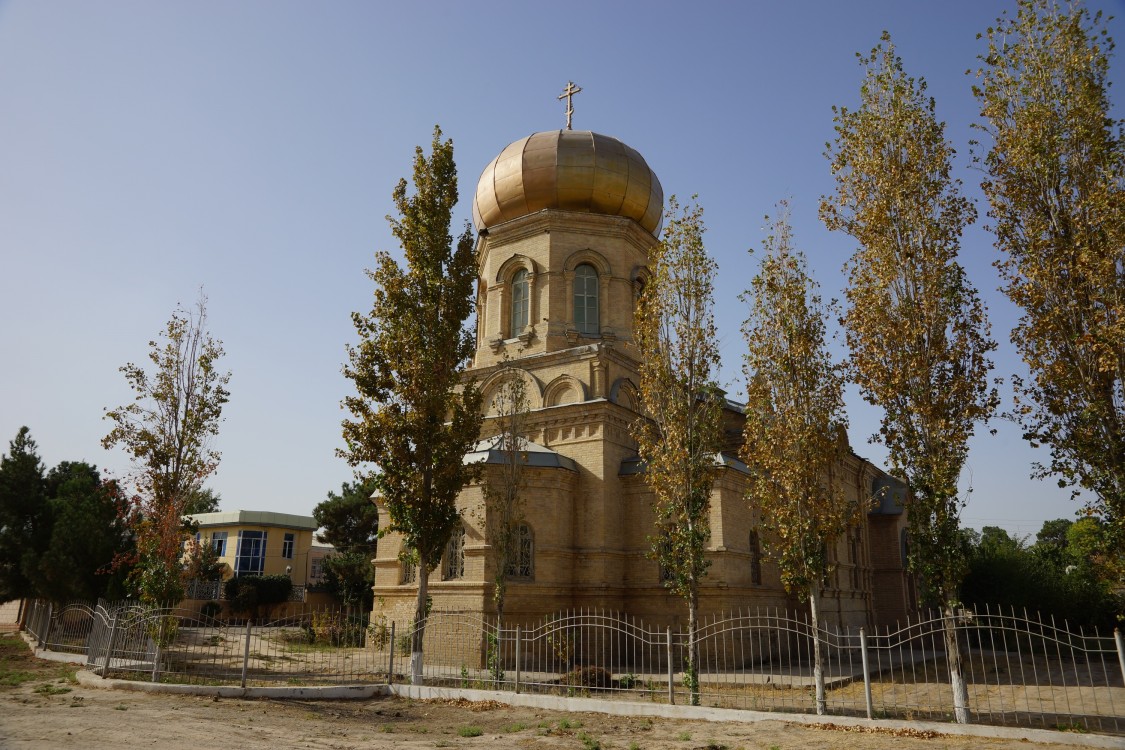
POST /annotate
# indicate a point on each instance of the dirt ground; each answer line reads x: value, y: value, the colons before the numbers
x: 42, y: 706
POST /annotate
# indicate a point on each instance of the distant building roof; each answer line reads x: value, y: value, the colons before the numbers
x: 255, y: 518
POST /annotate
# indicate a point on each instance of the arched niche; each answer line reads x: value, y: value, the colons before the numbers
x: 492, y: 384
x: 565, y: 389
x: 624, y: 392
x: 591, y: 257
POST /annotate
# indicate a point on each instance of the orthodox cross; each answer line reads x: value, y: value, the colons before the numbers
x: 568, y: 94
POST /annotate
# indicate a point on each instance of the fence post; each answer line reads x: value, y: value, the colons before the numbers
x: 391, y: 661
x: 110, y: 645
x: 246, y: 652
x: 518, y: 659
x: 159, y: 654
x: 671, y: 687
x: 866, y: 673
x: 1120, y: 649
x: 47, y: 628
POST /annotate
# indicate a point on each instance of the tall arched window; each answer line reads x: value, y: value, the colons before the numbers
x: 523, y: 553
x: 586, y: 299
x: 521, y: 302
x: 755, y: 557
x: 454, y: 556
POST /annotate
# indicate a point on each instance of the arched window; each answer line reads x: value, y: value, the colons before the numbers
x: 755, y: 557
x: 586, y: 299
x: 521, y: 302
x: 520, y: 565
x: 454, y: 556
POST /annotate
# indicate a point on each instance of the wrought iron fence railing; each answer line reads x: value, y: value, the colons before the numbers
x: 1019, y: 669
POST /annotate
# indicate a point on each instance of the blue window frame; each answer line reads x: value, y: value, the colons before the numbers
x: 250, y: 558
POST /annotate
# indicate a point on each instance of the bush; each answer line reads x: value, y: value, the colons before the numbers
x: 211, y: 609
x: 590, y: 677
x: 335, y: 629
x: 249, y: 593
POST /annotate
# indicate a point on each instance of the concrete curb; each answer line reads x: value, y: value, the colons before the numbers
x: 46, y: 655
x: 327, y: 692
x: 701, y: 713
x: 593, y: 705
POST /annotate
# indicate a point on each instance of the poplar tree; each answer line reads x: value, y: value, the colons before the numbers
x: 503, y: 485
x: 1056, y: 185
x: 413, y: 417
x: 918, y: 333
x: 681, y: 432
x: 167, y: 432
x: 795, y: 433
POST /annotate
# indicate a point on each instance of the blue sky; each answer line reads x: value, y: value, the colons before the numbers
x: 148, y: 149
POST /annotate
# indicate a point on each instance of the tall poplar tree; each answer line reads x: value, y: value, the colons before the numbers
x: 681, y: 432
x: 796, y: 432
x: 413, y: 417
x: 1056, y: 185
x: 167, y: 432
x: 918, y: 333
x: 503, y: 485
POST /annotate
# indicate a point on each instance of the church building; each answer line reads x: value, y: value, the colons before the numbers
x: 565, y: 222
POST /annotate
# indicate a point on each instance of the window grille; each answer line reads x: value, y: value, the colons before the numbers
x: 520, y: 564
x: 455, y: 556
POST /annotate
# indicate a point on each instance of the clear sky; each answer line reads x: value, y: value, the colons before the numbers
x: 148, y: 149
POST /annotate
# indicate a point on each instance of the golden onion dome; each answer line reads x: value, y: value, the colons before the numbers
x: 571, y: 170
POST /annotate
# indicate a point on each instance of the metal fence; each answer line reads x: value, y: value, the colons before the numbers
x: 1019, y: 669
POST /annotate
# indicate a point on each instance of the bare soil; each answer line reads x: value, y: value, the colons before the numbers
x: 42, y: 706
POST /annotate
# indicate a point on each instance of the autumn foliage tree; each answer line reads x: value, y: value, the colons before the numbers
x: 918, y: 333
x: 795, y: 431
x: 1056, y: 185
x: 413, y: 417
x: 167, y: 432
x: 681, y: 431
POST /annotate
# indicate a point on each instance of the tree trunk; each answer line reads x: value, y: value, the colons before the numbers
x: 818, y: 665
x: 495, y: 645
x: 693, y: 648
x: 953, y: 658
x: 419, y: 622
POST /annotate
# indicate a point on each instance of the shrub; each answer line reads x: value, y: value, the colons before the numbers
x: 249, y: 593
x: 211, y: 609
x: 590, y: 677
x: 335, y: 629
